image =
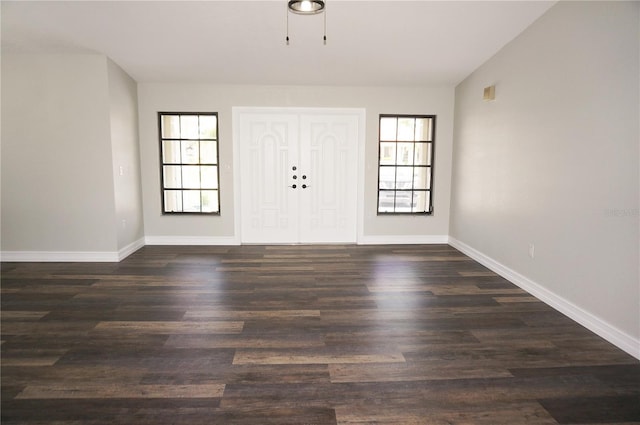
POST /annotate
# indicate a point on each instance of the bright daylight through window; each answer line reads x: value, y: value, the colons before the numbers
x: 189, y: 163
x: 405, y: 165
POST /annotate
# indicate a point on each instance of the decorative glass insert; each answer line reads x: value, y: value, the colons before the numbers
x: 405, y: 164
x: 189, y: 163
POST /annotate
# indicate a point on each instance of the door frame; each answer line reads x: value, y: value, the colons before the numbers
x: 237, y: 111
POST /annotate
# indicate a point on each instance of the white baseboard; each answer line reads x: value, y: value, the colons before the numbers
x: 130, y: 249
x: 595, y: 324
x: 191, y: 240
x: 403, y: 239
x: 71, y: 256
x: 59, y: 257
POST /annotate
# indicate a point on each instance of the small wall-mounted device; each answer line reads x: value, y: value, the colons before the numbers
x: 489, y: 93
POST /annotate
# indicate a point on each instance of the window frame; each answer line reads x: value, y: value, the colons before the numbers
x: 182, y: 189
x: 430, y: 166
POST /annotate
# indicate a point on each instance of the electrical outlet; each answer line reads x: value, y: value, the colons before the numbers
x: 532, y: 250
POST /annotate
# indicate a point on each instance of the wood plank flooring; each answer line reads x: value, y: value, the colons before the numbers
x: 298, y: 335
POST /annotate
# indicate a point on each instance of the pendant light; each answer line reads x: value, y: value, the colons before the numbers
x: 307, y: 7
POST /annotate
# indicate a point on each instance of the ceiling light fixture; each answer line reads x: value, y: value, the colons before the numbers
x: 307, y: 7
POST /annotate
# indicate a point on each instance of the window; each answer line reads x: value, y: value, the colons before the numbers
x: 405, y: 164
x: 189, y: 163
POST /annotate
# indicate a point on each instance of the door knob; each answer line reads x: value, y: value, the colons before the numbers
x: 304, y: 186
x: 293, y: 186
x: 295, y: 177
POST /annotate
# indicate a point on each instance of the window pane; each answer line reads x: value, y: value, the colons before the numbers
x: 421, y: 200
x: 422, y: 178
x: 208, y: 152
x: 404, y: 201
x: 210, y: 201
x: 191, y: 177
x: 387, y: 153
x: 406, y: 130
x: 385, y: 201
x: 387, y: 177
x: 208, y: 127
x: 172, y: 176
x: 173, y: 201
x: 171, y: 151
x: 404, y: 167
x: 170, y: 127
x: 405, y: 154
x: 189, y: 127
x: 191, y: 200
x: 422, y: 154
x: 423, y: 129
x: 388, y: 128
x: 404, y: 178
x: 190, y: 152
x: 209, y: 177
x: 187, y: 142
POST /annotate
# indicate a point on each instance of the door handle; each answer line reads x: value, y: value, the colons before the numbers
x: 293, y: 186
x: 304, y: 186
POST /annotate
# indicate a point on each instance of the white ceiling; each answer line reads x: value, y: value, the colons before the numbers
x: 243, y: 42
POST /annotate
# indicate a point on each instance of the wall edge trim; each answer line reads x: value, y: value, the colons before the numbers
x: 403, y: 239
x: 60, y: 256
x: 130, y: 249
x: 192, y: 240
x: 595, y: 324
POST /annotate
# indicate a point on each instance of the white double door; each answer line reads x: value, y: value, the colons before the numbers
x: 299, y: 172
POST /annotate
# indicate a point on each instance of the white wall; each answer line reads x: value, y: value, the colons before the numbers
x: 69, y: 123
x: 123, y: 96
x: 553, y: 162
x: 211, y: 98
x: 57, y: 187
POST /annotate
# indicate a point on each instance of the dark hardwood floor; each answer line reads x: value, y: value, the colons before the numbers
x: 298, y: 335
